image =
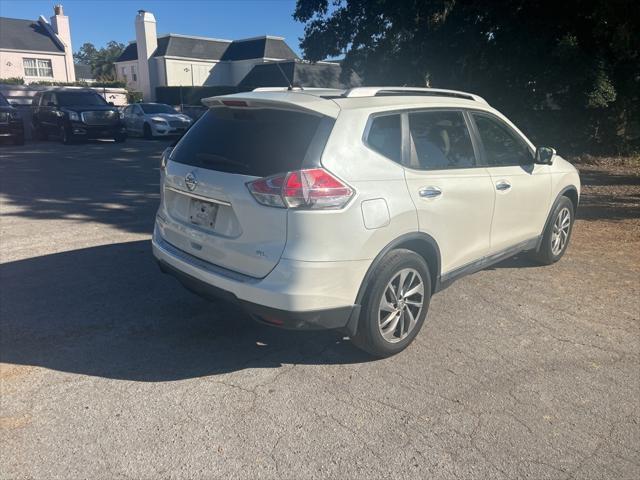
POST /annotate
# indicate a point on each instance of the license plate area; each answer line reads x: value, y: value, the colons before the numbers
x: 203, y: 214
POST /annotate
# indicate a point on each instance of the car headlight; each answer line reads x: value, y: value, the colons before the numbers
x: 159, y: 121
x: 14, y: 115
x: 73, y: 116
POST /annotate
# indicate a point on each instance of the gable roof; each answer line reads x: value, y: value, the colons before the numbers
x: 18, y: 34
x: 260, y: 47
x: 317, y: 75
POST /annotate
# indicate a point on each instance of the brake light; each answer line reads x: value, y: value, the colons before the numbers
x: 310, y: 189
x: 235, y: 103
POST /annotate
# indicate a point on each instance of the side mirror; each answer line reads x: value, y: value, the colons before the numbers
x: 111, y: 103
x: 544, y: 155
x: 51, y: 104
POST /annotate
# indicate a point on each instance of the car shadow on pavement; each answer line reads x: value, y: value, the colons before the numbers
x: 108, y: 311
x: 115, y: 184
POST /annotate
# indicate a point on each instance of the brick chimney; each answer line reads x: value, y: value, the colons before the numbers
x: 60, y: 25
x: 147, y: 40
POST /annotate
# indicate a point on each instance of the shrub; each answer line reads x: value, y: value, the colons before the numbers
x: 12, y: 81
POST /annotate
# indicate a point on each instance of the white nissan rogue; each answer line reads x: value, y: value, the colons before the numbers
x: 331, y: 209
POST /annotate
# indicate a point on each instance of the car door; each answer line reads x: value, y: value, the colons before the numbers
x: 138, y: 119
x: 45, y: 112
x: 126, y: 117
x: 451, y: 190
x: 522, y: 187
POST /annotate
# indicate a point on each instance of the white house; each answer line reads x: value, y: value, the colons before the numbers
x: 37, y: 50
x: 180, y: 60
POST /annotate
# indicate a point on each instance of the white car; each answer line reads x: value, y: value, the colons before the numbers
x: 348, y: 209
x: 154, y: 120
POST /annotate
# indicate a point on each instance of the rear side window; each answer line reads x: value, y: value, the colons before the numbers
x: 440, y: 140
x: 385, y: 136
x: 258, y: 142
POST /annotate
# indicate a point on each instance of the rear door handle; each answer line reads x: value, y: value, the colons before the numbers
x: 502, y: 186
x: 430, y: 192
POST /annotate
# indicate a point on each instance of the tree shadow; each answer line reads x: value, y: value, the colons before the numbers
x: 114, y: 184
x: 108, y: 311
x: 608, y: 196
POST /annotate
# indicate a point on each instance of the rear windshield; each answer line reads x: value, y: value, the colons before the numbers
x: 79, y: 98
x: 258, y: 142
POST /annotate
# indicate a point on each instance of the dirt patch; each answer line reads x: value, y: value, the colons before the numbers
x: 11, y: 423
x: 8, y: 372
x: 609, y: 212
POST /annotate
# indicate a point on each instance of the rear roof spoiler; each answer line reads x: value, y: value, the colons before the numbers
x: 285, y: 100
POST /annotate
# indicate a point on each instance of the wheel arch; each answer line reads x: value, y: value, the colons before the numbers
x: 571, y: 192
x: 422, y: 244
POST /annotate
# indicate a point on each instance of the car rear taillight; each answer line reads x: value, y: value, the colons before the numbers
x: 309, y: 189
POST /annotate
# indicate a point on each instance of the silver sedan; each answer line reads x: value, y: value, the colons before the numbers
x: 155, y: 120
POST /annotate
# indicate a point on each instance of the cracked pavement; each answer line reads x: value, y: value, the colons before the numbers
x: 112, y: 370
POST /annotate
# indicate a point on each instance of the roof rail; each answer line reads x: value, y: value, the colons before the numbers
x: 409, y: 91
x: 311, y: 90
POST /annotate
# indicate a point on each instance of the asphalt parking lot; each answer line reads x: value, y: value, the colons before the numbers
x: 112, y: 370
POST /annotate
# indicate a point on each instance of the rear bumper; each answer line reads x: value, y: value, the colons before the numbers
x: 330, y: 318
x: 296, y: 295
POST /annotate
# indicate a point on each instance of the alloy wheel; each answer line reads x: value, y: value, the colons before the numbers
x: 401, y: 305
x: 560, y: 233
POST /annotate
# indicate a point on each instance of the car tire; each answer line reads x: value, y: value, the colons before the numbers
x: 66, y: 137
x: 386, y: 325
x: 146, y: 131
x: 557, y: 233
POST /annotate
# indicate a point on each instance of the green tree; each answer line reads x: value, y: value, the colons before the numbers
x: 575, y: 61
x: 100, y: 60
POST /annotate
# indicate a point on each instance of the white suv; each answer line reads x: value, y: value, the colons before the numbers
x: 348, y: 209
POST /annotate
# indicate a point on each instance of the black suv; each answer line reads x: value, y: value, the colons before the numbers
x: 74, y: 114
x: 11, y: 125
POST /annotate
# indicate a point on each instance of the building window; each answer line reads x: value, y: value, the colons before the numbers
x: 124, y: 74
x: 133, y: 73
x: 37, y: 67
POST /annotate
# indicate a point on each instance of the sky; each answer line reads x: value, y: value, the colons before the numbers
x: 99, y: 21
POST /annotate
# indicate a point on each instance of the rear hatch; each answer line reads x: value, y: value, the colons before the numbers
x: 210, y: 212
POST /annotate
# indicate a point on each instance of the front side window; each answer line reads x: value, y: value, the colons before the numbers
x: 385, y: 136
x: 37, y: 67
x: 502, y: 146
x: 440, y: 140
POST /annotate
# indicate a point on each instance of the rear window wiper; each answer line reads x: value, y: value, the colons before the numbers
x: 213, y: 159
